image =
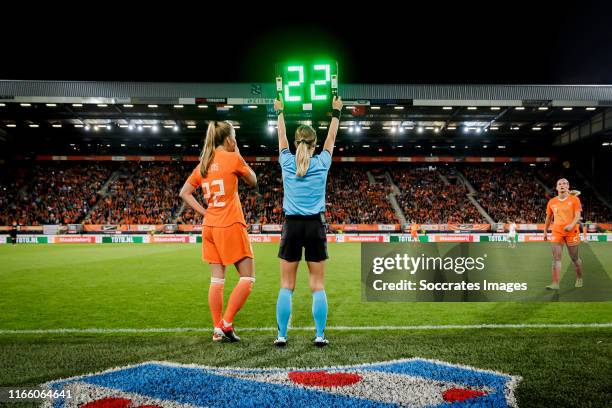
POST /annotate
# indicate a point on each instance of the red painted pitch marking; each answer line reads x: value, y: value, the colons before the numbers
x: 323, y: 378
x: 460, y: 394
x: 111, y: 402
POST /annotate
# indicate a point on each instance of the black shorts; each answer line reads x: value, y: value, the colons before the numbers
x: 303, y: 231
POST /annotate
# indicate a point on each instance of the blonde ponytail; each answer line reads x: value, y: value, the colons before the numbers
x: 216, y: 134
x: 305, y: 141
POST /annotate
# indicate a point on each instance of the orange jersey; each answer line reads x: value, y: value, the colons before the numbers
x: 220, y: 188
x: 414, y: 228
x: 563, y: 211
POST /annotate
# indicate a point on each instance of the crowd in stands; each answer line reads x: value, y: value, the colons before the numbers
x: 267, y: 206
x: 352, y: 199
x: 508, y: 192
x: 520, y: 193
x: 427, y: 198
x: 143, y: 193
x: 50, y: 193
x: 592, y: 208
x: 147, y: 193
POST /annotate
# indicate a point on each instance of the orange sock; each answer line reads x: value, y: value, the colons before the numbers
x: 215, y: 300
x: 238, y: 298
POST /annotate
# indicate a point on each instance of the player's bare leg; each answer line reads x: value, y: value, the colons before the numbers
x: 246, y: 267
x: 557, y: 252
x: 217, y: 271
x: 573, y: 253
x: 316, y: 276
x: 288, y: 272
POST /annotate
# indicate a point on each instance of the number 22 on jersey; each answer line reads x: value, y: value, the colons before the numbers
x: 216, y: 195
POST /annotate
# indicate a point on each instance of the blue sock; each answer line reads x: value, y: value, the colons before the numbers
x: 283, y: 310
x: 319, y: 311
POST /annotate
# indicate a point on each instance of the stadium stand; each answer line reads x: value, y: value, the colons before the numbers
x: 147, y: 193
x: 508, y: 193
x: 54, y: 193
x: 425, y: 198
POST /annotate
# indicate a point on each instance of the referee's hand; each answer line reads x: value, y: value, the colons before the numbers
x: 337, y: 103
x: 278, y: 104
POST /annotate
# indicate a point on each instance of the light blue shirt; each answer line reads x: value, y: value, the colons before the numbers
x: 304, y: 195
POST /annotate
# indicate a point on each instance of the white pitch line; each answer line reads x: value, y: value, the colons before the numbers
x: 305, y: 328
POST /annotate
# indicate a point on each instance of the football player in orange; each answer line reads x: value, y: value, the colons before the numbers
x: 224, y: 232
x: 564, y: 212
x: 414, y: 231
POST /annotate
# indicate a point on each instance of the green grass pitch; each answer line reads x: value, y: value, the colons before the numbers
x: 165, y: 286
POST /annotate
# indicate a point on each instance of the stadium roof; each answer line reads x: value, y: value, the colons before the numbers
x: 167, y: 92
x: 57, y: 115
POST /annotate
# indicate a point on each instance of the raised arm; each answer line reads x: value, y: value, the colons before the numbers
x: 330, y: 140
x: 283, y: 143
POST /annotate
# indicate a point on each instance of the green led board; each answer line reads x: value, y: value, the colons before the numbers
x: 307, y: 86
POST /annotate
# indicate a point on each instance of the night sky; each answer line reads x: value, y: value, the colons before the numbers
x: 483, y: 43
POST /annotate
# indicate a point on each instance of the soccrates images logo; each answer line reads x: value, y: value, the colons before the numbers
x: 413, y: 382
